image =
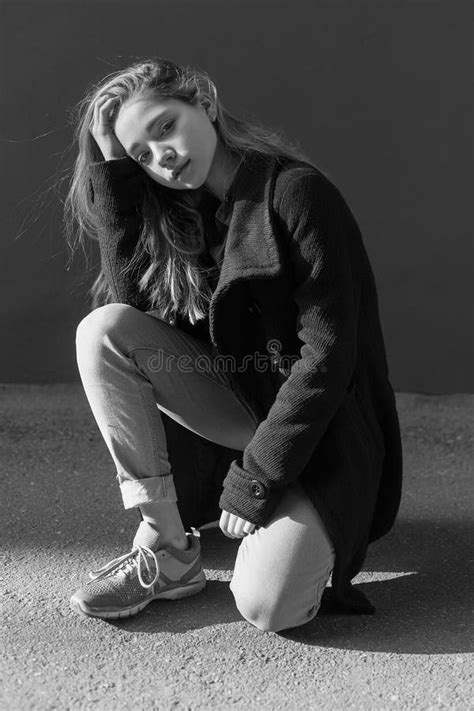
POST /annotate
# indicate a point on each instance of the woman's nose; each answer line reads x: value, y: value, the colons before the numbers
x: 166, y: 160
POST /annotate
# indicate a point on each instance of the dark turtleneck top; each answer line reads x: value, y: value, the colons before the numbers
x: 216, y: 217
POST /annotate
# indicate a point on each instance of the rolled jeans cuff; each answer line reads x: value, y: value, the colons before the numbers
x: 150, y: 490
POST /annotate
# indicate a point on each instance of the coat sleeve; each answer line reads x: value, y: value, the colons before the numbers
x: 326, y: 296
x: 117, y: 190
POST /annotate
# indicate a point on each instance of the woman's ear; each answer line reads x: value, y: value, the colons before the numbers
x: 208, y: 106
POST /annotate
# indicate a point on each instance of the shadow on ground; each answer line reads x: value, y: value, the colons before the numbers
x: 424, y: 610
x: 63, y: 512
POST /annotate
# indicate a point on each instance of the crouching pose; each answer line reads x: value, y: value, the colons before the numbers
x: 236, y: 297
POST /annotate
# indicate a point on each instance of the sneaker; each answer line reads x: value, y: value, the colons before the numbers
x: 126, y: 585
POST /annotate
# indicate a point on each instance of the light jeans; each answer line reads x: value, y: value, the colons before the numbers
x: 132, y: 366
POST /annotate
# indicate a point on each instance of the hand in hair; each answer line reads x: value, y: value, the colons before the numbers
x: 102, y: 129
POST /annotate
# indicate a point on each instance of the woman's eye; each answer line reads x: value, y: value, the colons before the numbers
x: 140, y: 157
x: 168, y: 123
x: 143, y: 157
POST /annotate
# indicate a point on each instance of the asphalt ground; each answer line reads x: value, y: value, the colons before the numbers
x: 61, y: 515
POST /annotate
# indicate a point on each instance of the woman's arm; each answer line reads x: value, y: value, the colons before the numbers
x: 117, y: 190
x: 116, y: 185
x: 327, y: 298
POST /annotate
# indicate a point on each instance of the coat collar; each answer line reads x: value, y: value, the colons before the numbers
x: 250, y: 250
x: 224, y: 212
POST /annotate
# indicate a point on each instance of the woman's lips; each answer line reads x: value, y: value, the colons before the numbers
x: 182, y: 170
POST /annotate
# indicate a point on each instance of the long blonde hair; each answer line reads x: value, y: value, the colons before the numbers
x: 172, y: 278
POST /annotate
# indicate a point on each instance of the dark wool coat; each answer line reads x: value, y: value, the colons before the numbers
x: 296, y: 289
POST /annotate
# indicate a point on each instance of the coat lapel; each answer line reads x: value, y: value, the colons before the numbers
x: 251, y: 250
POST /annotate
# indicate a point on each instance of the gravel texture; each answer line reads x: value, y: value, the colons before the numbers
x: 198, y: 653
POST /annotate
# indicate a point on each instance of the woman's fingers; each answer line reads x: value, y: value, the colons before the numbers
x: 103, y: 103
x: 102, y: 128
x: 223, y: 523
x: 103, y: 111
x: 226, y: 524
x: 249, y: 527
x: 233, y: 526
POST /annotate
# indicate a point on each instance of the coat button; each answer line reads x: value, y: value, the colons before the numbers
x: 257, y: 489
x: 254, y: 309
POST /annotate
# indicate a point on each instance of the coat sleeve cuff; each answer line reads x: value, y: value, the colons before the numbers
x: 116, y: 184
x: 252, y: 499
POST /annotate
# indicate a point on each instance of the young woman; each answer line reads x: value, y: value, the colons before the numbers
x: 236, y: 297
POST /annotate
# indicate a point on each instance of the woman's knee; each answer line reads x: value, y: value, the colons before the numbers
x: 269, y: 614
x: 259, y: 615
x: 101, y: 321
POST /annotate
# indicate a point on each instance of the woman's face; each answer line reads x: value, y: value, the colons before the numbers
x: 163, y: 135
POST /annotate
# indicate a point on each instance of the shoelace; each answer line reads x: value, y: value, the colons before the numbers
x: 135, y: 558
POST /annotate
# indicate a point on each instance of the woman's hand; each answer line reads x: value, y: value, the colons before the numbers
x: 233, y: 526
x: 102, y: 129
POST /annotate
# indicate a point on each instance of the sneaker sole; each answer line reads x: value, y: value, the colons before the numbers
x: 175, y: 594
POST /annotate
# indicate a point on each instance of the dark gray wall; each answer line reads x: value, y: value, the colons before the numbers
x: 380, y: 95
